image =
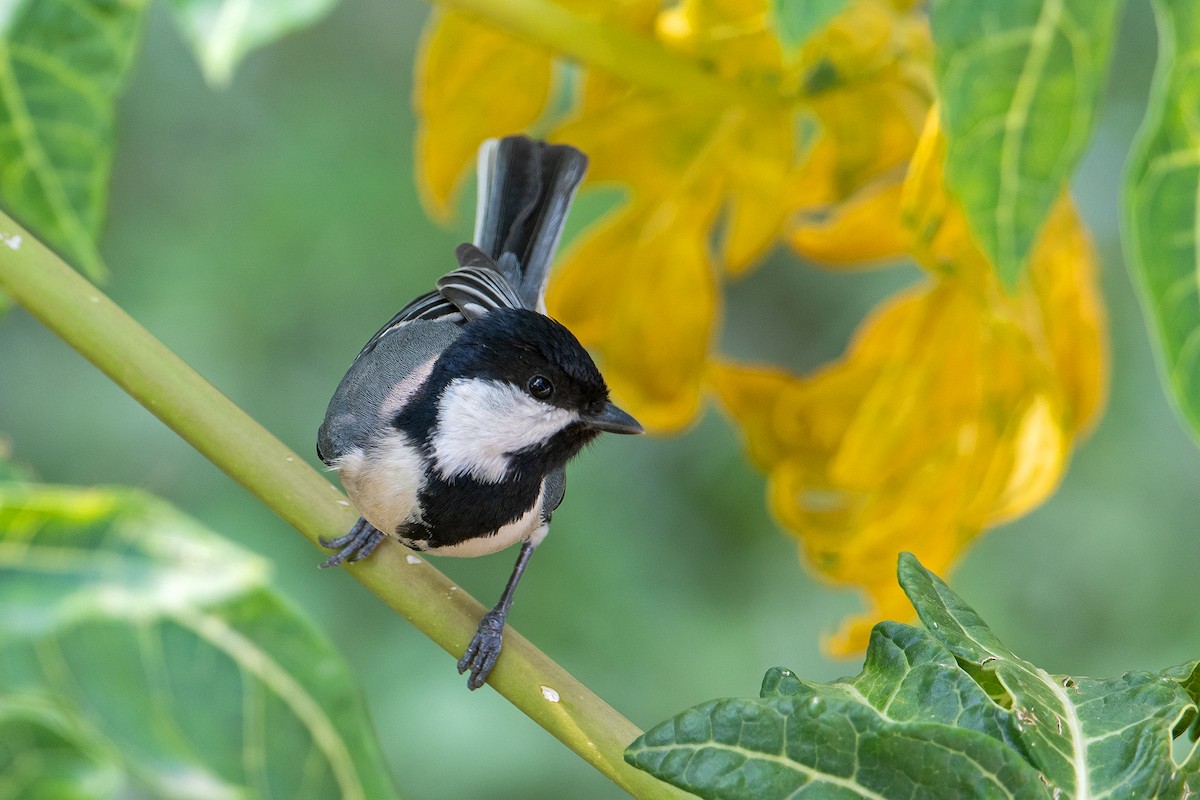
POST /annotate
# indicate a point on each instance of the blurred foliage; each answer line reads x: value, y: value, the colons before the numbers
x: 797, y: 20
x: 62, y: 64
x: 1161, y: 205
x: 222, y: 33
x: 246, y: 224
x: 958, y: 404
x: 211, y: 685
x: 941, y: 711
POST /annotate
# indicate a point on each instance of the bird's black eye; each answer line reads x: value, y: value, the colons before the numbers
x: 540, y: 387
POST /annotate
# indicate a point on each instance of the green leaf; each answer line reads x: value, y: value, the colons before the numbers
x: 947, y: 711
x: 912, y: 722
x: 44, y: 756
x: 62, y: 64
x: 222, y: 32
x: 1088, y: 737
x: 1019, y: 82
x: 797, y: 20
x: 138, y: 647
x: 1188, y: 677
x: 1160, y: 206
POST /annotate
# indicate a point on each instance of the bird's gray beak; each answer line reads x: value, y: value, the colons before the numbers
x: 613, y: 420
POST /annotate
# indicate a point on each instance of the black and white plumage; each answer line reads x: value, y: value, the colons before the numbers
x: 452, y: 428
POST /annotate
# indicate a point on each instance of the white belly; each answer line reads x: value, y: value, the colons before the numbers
x: 383, y: 482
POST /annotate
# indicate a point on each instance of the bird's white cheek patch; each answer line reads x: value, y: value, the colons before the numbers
x: 481, y: 422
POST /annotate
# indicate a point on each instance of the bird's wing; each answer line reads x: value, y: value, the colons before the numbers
x: 375, y: 383
x: 476, y: 290
x: 554, y: 488
x: 429, y: 306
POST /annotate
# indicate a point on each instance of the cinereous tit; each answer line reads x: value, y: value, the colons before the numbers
x: 453, y: 426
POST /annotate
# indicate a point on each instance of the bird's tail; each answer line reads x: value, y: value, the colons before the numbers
x: 525, y: 190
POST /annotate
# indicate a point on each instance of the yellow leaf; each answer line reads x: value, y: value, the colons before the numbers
x: 1063, y: 274
x: 1039, y: 454
x: 472, y: 83
x: 641, y: 290
x: 750, y: 396
x: 731, y: 36
x: 851, y: 174
x: 929, y: 350
x: 757, y: 172
x: 864, y: 229
x: 1058, y: 303
x: 940, y: 238
x: 868, y: 78
x: 636, y: 139
x: 858, y: 41
x: 872, y: 129
x: 941, y: 420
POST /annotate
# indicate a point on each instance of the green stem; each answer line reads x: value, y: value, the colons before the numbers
x: 78, y: 312
x: 618, y: 51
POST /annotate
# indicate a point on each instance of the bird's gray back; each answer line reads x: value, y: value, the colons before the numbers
x: 358, y: 405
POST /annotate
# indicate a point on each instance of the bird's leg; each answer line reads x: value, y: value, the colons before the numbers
x: 356, y: 545
x: 485, y: 647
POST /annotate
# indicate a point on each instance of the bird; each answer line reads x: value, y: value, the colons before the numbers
x: 452, y: 428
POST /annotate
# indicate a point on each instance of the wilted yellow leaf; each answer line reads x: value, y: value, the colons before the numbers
x: 638, y: 139
x: 870, y: 131
x: 757, y: 173
x: 1059, y: 302
x: 940, y: 238
x: 860, y: 41
x: 751, y: 395
x: 868, y: 80
x: 941, y: 420
x: 731, y: 36
x: 862, y: 230
x: 472, y: 83
x: 1063, y: 273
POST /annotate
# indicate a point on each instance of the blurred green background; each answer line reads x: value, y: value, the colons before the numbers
x: 264, y: 231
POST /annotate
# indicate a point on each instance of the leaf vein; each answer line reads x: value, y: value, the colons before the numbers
x: 1015, y: 120
x: 258, y: 663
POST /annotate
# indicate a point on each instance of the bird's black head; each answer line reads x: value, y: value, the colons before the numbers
x: 517, y: 393
x: 532, y: 351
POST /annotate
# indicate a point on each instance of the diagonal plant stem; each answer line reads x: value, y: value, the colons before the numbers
x: 77, y: 311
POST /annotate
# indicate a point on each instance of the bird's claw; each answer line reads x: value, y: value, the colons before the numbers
x: 484, y: 649
x: 356, y: 545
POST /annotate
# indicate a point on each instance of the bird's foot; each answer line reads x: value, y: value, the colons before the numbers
x: 356, y: 545
x: 484, y: 649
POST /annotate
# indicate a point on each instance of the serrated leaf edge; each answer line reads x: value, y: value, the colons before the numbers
x: 1070, y: 719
